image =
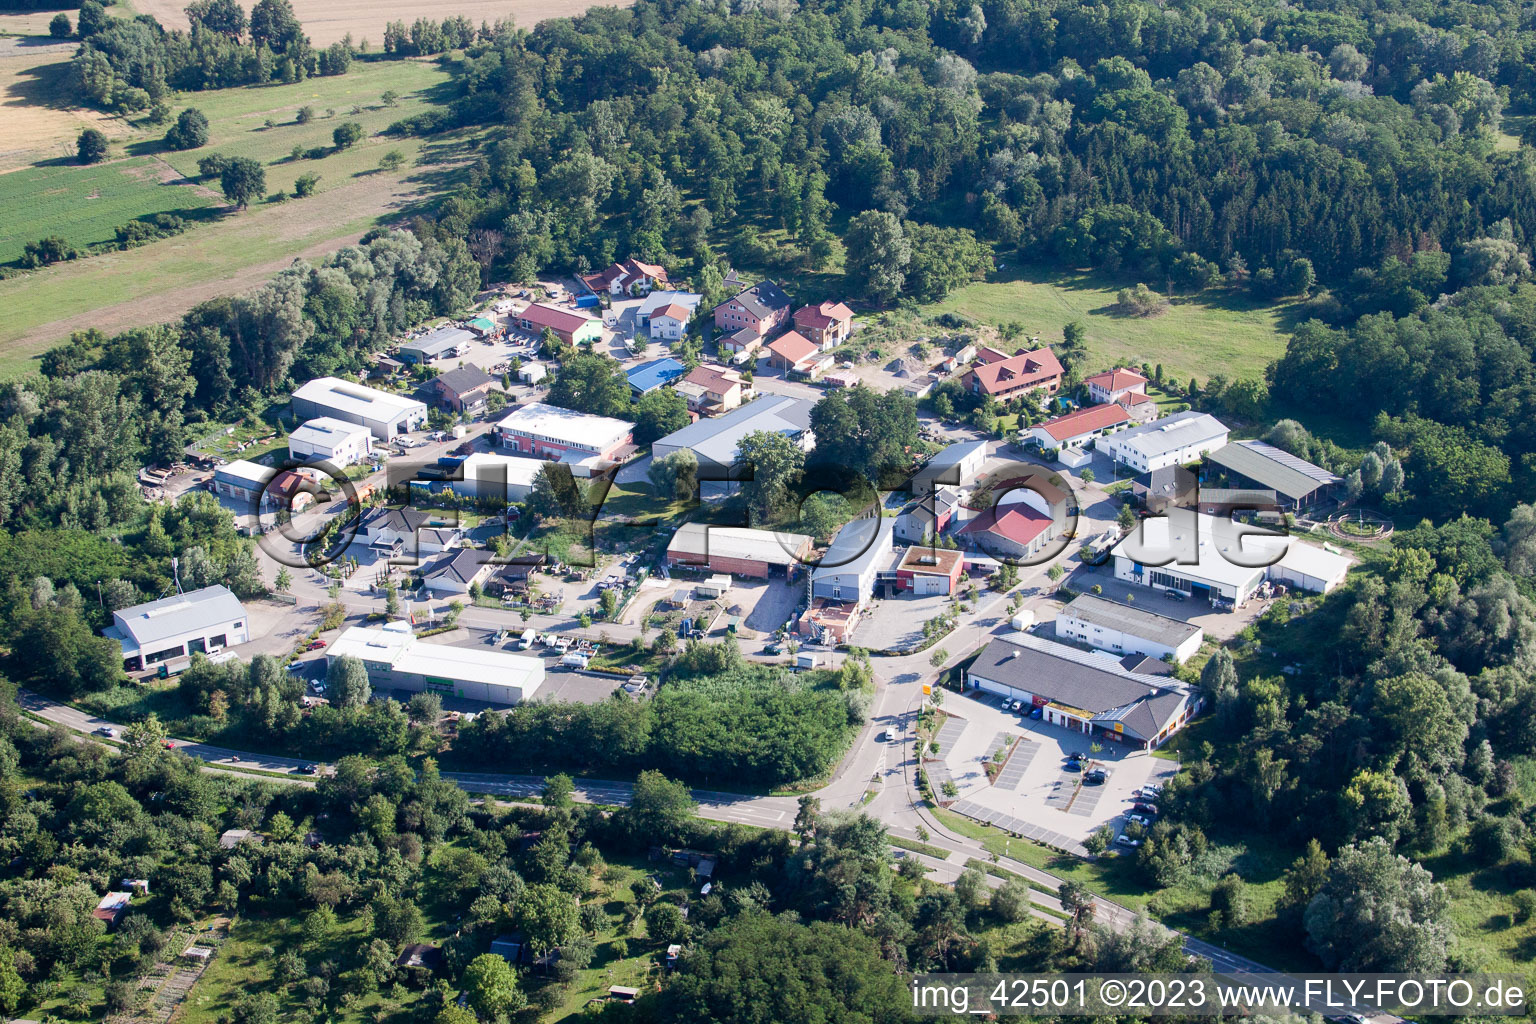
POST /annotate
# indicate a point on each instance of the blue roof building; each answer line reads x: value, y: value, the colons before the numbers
x: 647, y: 377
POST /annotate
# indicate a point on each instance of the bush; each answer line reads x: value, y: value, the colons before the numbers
x: 212, y: 165
x: 60, y: 27
x: 305, y: 185
x: 91, y: 146
x: 347, y: 134
x: 190, y: 130
x: 52, y: 249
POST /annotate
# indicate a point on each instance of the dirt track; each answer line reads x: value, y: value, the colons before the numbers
x: 327, y: 21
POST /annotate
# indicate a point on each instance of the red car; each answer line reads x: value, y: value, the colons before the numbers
x: 170, y: 745
x: 315, y: 645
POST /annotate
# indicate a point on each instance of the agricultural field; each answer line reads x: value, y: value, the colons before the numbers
x: 329, y: 21
x: 83, y: 205
x: 41, y: 122
x: 1216, y: 332
x: 161, y: 280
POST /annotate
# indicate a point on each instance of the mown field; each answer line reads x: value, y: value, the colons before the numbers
x: 328, y: 21
x: 161, y: 280
x: 83, y: 205
x: 1217, y: 332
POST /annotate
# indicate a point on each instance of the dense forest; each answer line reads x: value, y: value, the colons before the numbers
x: 802, y: 925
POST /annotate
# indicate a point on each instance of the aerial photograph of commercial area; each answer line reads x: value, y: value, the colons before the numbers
x: 767, y: 511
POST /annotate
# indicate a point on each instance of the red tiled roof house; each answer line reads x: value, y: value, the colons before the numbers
x: 828, y: 324
x: 1011, y: 376
x: 569, y: 326
x: 1076, y: 428
x: 628, y: 278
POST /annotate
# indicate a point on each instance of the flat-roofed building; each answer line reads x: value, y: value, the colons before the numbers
x: 925, y: 570
x: 738, y: 551
x: 396, y: 660
x: 1122, y: 629
x: 386, y: 415
x: 202, y: 622
x: 1214, y: 559
x: 486, y: 476
x: 1088, y: 692
x: 1175, y: 440
x: 563, y: 435
x: 325, y: 439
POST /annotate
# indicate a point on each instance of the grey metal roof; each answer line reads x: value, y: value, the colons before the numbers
x: 1171, y: 433
x: 1135, y: 621
x: 761, y: 299
x: 1271, y: 467
x: 715, y: 439
x: 439, y: 341
x: 149, y: 623
x: 949, y: 458
x: 857, y: 545
x: 1089, y: 681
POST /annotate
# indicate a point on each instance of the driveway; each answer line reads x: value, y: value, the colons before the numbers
x: 896, y: 623
x: 1034, y: 789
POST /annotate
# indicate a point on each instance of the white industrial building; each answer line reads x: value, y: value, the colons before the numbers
x: 203, y: 622
x: 443, y: 343
x: 854, y: 560
x: 486, y: 476
x: 1175, y: 440
x: 956, y: 466
x: 396, y: 660
x: 386, y: 415
x: 1121, y: 629
x: 325, y: 439
x: 1215, y: 559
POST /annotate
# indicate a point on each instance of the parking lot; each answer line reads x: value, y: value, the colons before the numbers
x: 1038, y: 792
x: 895, y: 623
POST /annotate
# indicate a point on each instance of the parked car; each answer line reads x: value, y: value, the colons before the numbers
x: 1077, y: 755
x: 1124, y: 840
x: 1144, y: 808
x: 1174, y: 595
x: 1016, y: 705
x: 315, y: 645
x: 1138, y: 819
x: 1072, y: 766
x: 1151, y: 792
x: 1097, y: 776
x: 1035, y: 713
x: 772, y: 649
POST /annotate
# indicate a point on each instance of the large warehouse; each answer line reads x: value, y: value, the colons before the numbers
x: 1085, y: 691
x: 563, y: 435
x: 1211, y: 558
x: 1254, y: 464
x: 740, y: 552
x: 396, y: 660
x: 385, y: 414
x: 714, y: 440
x: 1122, y: 629
x: 203, y: 622
x: 854, y: 560
x: 330, y: 440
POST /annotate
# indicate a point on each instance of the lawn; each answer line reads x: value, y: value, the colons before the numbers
x: 159, y: 281
x: 83, y: 205
x: 1216, y: 332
